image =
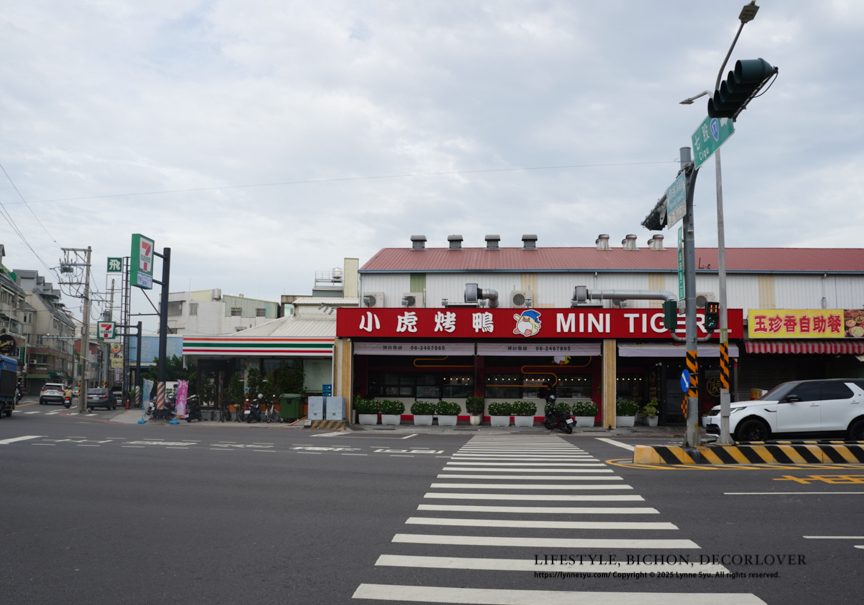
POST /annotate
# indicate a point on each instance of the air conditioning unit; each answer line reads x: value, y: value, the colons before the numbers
x: 703, y: 297
x: 413, y: 299
x: 373, y: 299
x: 521, y: 299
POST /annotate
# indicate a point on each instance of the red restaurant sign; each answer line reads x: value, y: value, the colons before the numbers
x: 522, y: 324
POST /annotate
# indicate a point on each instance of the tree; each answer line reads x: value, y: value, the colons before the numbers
x: 174, y: 370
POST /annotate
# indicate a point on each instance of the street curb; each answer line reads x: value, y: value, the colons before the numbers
x: 816, y: 453
x: 325, y: 424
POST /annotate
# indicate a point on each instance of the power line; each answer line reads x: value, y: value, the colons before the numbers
x: 24, y: 201
x: 345, y: 179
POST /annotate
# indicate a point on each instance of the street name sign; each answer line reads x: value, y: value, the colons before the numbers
x: 680, y: 264
x: 676, y: 198
x: 708, y: 138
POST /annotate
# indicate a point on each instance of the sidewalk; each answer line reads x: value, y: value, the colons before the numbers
x: 659, y: 432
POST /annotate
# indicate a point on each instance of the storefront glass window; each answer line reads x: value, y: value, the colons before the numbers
x: 458, y: 386
x: 432, y: 385
x: 629, y: 387
x: 574, y: 386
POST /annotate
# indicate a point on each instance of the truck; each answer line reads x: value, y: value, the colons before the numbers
x: 8, y: 385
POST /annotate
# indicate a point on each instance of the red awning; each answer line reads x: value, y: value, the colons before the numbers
x: 834, y: 347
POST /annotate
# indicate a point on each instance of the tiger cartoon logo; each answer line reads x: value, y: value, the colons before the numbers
x: 527, y: 323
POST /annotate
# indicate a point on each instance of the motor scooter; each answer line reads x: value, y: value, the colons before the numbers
x: 193, y: 409
x: 67, y: 402
x: 253, y: 411
x: 554, y: 418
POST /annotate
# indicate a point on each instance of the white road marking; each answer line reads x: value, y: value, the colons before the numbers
x: 616, y: 443
x: 458, y: 456
x: 409, y: 436
x: 541, y: 497
x: 315, y: 453
x: 833, y: 537
x: 37, y: 412
x: 487, y: 596
x: 51, y: 444
x: 531, y: 464
x: 337, y: 434
x: 483, y: 469
x: 400, y: 456
x: 623, y: 543
x: 551, y: 510
x: 355, y: 454
x: 521, y: 523
x: 517, y: 486
x: 531, y: 477
x: 532, y: 565
x: 16, y: 439
x: 140, y: 447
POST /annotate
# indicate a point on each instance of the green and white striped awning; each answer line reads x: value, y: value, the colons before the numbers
x: 261, y: 346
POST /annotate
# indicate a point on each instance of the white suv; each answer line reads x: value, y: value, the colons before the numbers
x: 52, y: 392
x: 827, y: 407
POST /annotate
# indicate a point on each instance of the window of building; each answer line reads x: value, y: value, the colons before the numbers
x: 193, y: 308
x: 261, y: 312
x: 175, y: 307
x: 236, y: 311
x: 431, y: 385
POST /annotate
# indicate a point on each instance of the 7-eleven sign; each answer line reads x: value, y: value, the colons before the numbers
x: 107, y: 330
x: 141, y: 262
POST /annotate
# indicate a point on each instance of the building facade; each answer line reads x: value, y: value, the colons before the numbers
x: 504, y: 322
x: 209, y: 312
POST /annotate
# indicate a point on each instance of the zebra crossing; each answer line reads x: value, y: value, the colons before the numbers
x: 500, y: 497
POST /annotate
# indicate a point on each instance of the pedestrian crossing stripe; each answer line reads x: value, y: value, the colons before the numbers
x: 750, y: 454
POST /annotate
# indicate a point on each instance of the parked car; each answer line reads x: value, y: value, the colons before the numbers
x: 101, y: 398
x: 52, y: 392
x: 826, y: 408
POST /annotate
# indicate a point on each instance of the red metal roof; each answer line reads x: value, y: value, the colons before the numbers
x: 757, y: 260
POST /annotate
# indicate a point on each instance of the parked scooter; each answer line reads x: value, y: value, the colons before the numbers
x: 253, y: 410
x: 193, y: 409
x: 554, y: 418
x: 166, y: 413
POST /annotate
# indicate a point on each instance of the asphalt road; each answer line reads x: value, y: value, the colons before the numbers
x: 103, y: 513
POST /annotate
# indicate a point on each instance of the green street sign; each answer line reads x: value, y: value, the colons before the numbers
x: 680, y: 263
x: 708, y: 138
x: 141, y: 263
x: 115, y: 265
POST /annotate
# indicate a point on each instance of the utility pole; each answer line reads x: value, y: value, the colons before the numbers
x: 691, y: 435
x: 76, y: 265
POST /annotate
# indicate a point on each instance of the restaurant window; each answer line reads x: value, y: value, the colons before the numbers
x: 574, y: 387
x: 420, y: 385
x: 629, y: 387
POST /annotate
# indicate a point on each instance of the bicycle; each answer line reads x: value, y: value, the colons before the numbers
x: 272, y: 414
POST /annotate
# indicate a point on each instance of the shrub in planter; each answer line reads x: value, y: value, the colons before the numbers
x: 475, y: 405
x: 367, y: 410
x: 625, y: 410
x: 423, y: 411
x: 523, y: 413
x: 448, y: 413
x: 391, y: 411
x: 584, y: 412
x: 562, y: 407
x: 499, y: 413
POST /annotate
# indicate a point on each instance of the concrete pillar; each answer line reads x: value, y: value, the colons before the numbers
x: 610, y: 379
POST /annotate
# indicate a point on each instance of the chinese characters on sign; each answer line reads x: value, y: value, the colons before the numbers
x: 806, y: 323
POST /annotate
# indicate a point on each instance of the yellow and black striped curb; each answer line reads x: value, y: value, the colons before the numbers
x: 325, y: 424
x: 751, y: 454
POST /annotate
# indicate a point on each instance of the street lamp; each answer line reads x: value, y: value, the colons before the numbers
x: 748, y: 13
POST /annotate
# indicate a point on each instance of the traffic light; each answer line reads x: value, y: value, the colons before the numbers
x: 712, y: 316
x: 670, y: 315
x: 741, y: 84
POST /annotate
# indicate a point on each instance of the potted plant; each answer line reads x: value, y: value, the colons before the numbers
x: 475, y: 406
x: 367, y: 410
x: 523, y: 413
x: 625, y: 411
x: 391, y: 411
x: 649, y: 412
x: 423, y: 412
x: 448, y: 413
x: 499, y: 413
x: 585, y: 412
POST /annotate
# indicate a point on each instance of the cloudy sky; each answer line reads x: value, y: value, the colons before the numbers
x: 264, y: 141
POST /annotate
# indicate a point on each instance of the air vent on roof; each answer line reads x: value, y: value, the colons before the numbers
x: 656, y: 243
x: 418, y: 242
x: 529, y: 242
x: 492, y: 242
x: 455, y: 242
x: 602, y: 242
x: 629, y: 242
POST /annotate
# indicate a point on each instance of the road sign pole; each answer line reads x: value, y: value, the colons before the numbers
x: 691, y: 435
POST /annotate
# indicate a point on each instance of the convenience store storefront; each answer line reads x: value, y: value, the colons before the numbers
x: 513, y: 354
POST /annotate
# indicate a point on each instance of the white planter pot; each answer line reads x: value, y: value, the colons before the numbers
x: 368, y: 418
x: 447, y: 420
x: 499, y: 420
x: 584, y: 420
x: 651, y: 420
x: 523, y: 420
x: 625, y: 421
x: 476, y: 419
x: 391, y: 418
x: 423, y: 419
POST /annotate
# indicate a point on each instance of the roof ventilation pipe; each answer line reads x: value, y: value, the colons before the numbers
x: 455, y: 242
x: 656, y: 243
x: 418, y: 242
x: 582, y: 295
x: 529, y: 242
x: 492, y: 242
x: 473, y: 295
x: 602, y: 242
x: 629, y: 242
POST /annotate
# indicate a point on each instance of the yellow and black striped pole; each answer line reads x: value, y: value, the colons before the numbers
x: 693, y: 368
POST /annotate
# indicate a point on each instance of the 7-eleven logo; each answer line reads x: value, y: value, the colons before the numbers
x: 146, y: 257
x: 107, y: 329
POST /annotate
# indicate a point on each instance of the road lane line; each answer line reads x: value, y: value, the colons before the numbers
x: 551, y: 510
x: 617, y: 443
x: 487, y: 564
x: 790, y: 493
x: 833, y: 537
x: 554, y: 524
x: 541, y: 497
x: 16, y: 439
x: 463, y: 469
x: 409, y: 436
x: 555, y: 477
x: 517, y: 486
x: 487, y: 596
x: 622, y: 543
x: 529, y: 464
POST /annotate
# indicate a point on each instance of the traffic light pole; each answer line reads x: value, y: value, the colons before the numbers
x: 691, y: 435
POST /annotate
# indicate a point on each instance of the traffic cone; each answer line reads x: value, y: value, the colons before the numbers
x: 127, y: 404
